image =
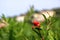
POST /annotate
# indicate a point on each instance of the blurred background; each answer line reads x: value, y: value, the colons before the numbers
x: 17, y: 7
x: 17, y: 17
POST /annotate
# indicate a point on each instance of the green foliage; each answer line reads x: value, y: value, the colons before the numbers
x: 23, y: 31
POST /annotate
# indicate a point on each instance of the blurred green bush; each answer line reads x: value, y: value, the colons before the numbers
x: 23, y: 30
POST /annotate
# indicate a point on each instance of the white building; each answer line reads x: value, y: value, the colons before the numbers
x: 38, y: 16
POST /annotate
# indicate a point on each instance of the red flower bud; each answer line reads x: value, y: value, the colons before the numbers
x: 36, y: 23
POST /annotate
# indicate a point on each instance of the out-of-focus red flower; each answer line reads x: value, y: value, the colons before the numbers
x: 36, y: 24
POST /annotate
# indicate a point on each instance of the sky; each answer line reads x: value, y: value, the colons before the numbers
x: 17, y: 7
